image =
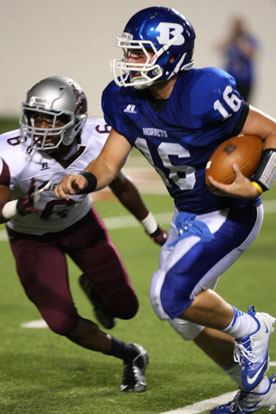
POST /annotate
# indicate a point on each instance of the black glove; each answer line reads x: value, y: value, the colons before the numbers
x: 25, y: 205
x: 159, y: 236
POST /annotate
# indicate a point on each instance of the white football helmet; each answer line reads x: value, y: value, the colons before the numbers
x: 55, y: 98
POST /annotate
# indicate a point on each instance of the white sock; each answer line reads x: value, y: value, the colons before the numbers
x: 242, y: 325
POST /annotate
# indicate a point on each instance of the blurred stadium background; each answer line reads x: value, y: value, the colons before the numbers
x: 42, y: 373
x: 77, y: 39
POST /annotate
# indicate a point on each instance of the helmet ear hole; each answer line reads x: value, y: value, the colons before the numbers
x: 173, y: 57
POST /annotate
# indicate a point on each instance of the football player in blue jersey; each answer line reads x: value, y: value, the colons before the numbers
x: 176, y: 116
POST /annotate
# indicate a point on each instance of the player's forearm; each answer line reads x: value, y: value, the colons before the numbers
x: 103, y: 172
x: 270, y: 140
x: 111, y: 160
x: 95, y: 177
x: 129, y: 196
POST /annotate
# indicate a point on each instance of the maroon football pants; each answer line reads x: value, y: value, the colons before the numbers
x: 42, y: 268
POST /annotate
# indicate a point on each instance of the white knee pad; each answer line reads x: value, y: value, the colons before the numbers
x: 188, y: 330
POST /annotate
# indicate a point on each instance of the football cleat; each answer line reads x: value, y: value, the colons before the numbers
x: 249, y: 402
x: 251, y: 352
x: 103, y: 317
x: 134, y: 371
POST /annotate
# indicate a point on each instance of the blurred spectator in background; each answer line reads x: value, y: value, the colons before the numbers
x: 239, y: 54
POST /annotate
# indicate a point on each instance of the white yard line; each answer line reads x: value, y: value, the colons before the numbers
x: 114, y: 223
x: 208, y: 404
x: 204, y: 405
x: 119, y: 222
x: 39, y: 323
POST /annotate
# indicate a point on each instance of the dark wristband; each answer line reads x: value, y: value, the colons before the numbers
x: 156, y: 232
x: 91, y: 183
x: 20, y: 207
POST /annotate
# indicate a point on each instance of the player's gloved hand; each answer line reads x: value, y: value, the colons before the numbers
x: 160, y: 236
x: 25, y: 205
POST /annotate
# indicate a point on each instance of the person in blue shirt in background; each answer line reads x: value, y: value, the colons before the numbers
x: 176, y: 116
x: 239, y: 55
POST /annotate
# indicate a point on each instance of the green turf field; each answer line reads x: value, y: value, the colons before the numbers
x: 41, y: 372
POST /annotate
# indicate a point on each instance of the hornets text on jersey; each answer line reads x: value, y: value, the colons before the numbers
x: 203, y: 110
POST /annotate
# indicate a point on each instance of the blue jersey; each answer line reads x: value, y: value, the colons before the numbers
x: 203, y: 110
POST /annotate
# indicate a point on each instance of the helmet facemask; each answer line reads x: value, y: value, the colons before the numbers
x: 166, y: 39
x: 54, y: 113
x: 148, y: 71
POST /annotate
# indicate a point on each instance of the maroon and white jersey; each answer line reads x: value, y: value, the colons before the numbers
x: 18, y: 167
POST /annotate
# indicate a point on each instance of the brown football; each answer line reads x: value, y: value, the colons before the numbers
x: 244, y: 150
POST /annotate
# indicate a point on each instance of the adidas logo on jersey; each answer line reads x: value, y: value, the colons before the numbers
x: 130, y: 109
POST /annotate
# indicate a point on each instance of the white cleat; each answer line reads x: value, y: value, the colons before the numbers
x: 251, y: 352
x: 249, y: 402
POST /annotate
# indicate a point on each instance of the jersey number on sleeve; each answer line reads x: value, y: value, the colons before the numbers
x: 231, y: 100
